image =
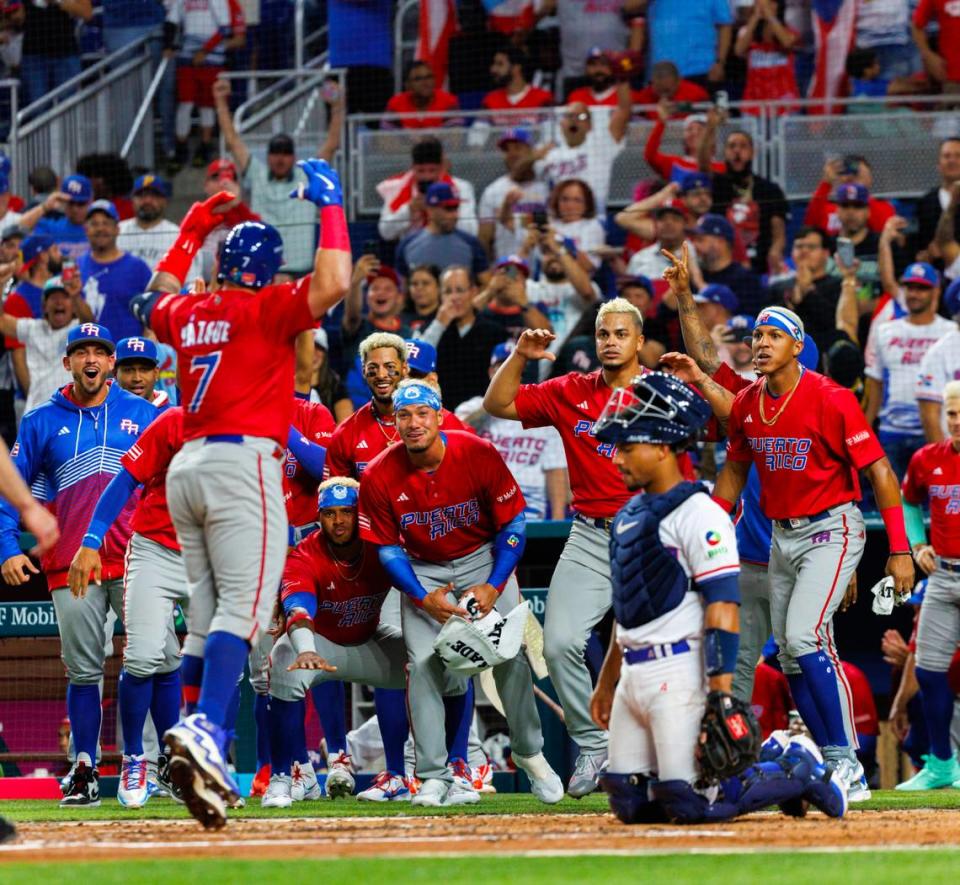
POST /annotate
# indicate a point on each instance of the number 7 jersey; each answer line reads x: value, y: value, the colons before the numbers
x: 236, y: 357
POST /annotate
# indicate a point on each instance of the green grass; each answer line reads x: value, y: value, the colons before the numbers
x: 501, y: 803
x: 875, y: 868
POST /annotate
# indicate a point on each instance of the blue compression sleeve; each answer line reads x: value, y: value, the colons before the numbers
x: 108, y: 508
x: 303, y: 600
x: 311, y: 456
x: 395, y: 561
x: 507, y: 549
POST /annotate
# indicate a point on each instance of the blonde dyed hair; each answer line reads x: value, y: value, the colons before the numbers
x: 347, y: 481
x: 383, y: 339
x: 620, y: 305
x: 951, y: 390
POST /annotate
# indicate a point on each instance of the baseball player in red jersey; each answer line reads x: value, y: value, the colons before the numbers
x: 933, y: 477
x: 449, y: 499
x: 807, y: 438
x: 235, y: 350
x: 314, y: 422
x: 580, y: 590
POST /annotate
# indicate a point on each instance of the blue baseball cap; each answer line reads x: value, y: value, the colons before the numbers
x: 501, y: 352
x: 78, y: 188
x: 90, y: 333
x: 522, y: 136
x: 104, y: 206
x: 851, y: 194
x: 692, y: 181
x: 514, y: 261
x: 717, y: 293
x: 921, y: 274
x: 136, y: 348
x: 715, y: 226
x: 151, y: 182
x: 442, y: 194
x: 421, y: 356
x: 33, y: 245
x: 951, y: 298
x: 809, y: 356
x: 742, y: 323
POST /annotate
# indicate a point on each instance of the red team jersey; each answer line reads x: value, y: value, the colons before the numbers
x: 147, y: 462
x: 348, y: 609
x: 236, y: 357
x: 402, y: 103
x: 934, y: 476
x: 572, y: 403
x: 363, y: 436
x: 530, y: 99
x: 443, y: 515
x: 315, y: 422
x: 808, y: 460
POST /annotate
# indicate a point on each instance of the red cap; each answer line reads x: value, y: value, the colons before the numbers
x: 384, y: 271
x: 674, y: 205
x: 222, y: 169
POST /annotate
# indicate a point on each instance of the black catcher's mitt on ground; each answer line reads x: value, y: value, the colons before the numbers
x: 729, y: 737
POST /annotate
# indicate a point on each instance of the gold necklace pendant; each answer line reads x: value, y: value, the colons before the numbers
x: 769, y: 422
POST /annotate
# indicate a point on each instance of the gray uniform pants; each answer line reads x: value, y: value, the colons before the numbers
x: 226, y: 502
x: 580, y: 595
x: 939, y: 629
x: 810, y: 568
x: 380, y: 662
x: 427, y: 673
x: 82, y: 623
x: 755, y: 626
x: 155, y: 582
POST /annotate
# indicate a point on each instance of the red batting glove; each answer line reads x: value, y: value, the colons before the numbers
x: 199, y: 221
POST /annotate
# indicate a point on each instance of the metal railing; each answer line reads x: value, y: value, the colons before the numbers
x: 90, y: 113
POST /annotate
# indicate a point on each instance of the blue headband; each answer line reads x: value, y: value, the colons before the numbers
x: 416, y: 395
x: 337, y: 496
x: 774, y: 316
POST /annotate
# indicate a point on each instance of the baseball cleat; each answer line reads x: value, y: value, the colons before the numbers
x: 774, y: 746
x: 545, y: 783
x: 303, y: 783
x: 432, y: 794
x: 586, y: 774
x: 198, y: 769
x: 84, y: 789
x: 133, y: 790
x: 167, y: 789
x: 340, y: 781
x: 278, y: 793
x: 935, y: 774
x: 261, y: 781
x: 461, y: 791
x: 67, y: 780
x: 482, y: 778
x: 851, y: 773
x: 387, y: 787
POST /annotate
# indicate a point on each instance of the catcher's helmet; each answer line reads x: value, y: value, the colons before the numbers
x: 659, y: 408
x: 251, y: 254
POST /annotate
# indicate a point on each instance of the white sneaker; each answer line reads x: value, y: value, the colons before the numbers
x: 461, y: 793
x: 482, y: 777
x: 132, y: 791
x: 278, y: 792
x: 303, y: 783
x: 387, y: 787
x: 545, y: 783
x: 432, y: 793
x: 340, y: 780
x: 852, y: 774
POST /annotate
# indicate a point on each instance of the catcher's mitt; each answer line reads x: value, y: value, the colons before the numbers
x: 729, y: 737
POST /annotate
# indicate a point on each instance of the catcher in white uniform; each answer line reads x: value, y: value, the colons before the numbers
x: 675, y: 751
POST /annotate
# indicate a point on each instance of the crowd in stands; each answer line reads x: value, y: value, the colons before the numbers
x: 461, y: 270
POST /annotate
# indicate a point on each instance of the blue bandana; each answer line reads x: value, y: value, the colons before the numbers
x: 416, y: 395
x: 337, y: 496
x: 778, y: 317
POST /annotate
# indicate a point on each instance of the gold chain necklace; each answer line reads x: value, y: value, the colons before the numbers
x: 769, y: 422
x: 338, y: 562
x: 391, y: 439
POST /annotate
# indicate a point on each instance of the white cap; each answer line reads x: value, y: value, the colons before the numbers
x: 320, y: 338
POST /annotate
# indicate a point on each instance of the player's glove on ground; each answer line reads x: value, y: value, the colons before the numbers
x: 729, y: 737
x: 322, y: 186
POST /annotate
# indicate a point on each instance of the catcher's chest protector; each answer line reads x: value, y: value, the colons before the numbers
x: 647, y: 579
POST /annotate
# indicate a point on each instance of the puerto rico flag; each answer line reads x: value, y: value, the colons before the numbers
x: 507, y: 16
x: 833, y: 29
x: 438, y: 23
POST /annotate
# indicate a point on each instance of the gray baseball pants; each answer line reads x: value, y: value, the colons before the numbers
x: 427, y: 674
x: 755, y: 626
x: 939, y: 629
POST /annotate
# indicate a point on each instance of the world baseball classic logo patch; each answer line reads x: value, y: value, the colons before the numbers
x: 712, y: 538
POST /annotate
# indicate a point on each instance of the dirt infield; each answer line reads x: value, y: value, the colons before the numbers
x: 503, y: 834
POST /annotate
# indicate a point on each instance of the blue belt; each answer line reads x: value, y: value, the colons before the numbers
x: 800, y: 522
x: 655, y: 652
x: 604, y: 523
x: 952, y: 565
x: 235, y: 438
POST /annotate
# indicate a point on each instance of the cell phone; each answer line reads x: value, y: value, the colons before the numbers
x: 371, y: 247
x: 540, y: 218
x: 721, y: 101
x: 69, y: 271
x: 845, y: 251
x: 850, y: 166
x: 423, y: 186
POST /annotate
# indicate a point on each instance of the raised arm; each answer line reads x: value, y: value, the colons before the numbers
x: 504, y: 386
x: 696, y: 336
x: 892, y: 230
x: 331, y: 144
x: 620, y: 118
x: 221, y: 98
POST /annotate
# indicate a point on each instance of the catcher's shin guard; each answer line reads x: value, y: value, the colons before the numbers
x: 630, y: 799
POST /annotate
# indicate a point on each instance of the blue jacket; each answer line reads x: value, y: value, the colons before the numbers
x: 77, y: 450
